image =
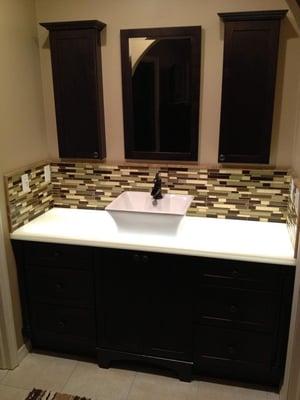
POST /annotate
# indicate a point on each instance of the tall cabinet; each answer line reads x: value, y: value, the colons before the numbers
x: 77, y: 79
x: 249, y: 75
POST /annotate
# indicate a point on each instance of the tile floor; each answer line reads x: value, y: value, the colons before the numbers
x: 87, y: 379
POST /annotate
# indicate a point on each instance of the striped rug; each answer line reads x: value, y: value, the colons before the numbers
x: 38, y: 394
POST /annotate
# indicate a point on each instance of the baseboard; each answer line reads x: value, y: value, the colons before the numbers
x: 23, y: 351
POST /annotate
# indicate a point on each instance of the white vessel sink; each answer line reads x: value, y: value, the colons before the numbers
x: 136, y: 211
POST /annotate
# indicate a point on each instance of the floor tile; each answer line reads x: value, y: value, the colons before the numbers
x: 98, y: 383
x: 155, y: 387
x: 11, y: 393
x: 272, y: 396
x: 3, y: 373
x: 40, y: 371
x: 87, y: 379
x: 213, y: 391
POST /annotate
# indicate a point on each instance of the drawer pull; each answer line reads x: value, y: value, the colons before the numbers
x: 231, y: 350
x: 56, y: 254
x: 145, y: 259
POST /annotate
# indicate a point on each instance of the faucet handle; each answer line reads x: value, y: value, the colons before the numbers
x: 157, y: 176
x: 156, y: 190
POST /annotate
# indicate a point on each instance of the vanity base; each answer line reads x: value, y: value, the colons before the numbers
x: 183, y: 369
x: 192, y: 315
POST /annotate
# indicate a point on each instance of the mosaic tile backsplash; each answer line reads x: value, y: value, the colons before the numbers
x: 293, y: 214
x: 223, y: 193
x: 24, y: 207
x: 248, y: 194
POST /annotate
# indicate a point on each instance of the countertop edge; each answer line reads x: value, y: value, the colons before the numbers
x: 151, y: 248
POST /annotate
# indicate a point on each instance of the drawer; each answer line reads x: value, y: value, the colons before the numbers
x: 54, y: 285
x: 239, y: 274
x: 58, y: 255
x: 239, y: 308
x: 73, y: 324
x: 228, y: 344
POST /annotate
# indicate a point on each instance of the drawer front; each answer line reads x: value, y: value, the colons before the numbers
x: 58, y: 255
x: 228, y: 344
x: 238, y: 274
x: 54, y: 285
x: 240, y: 308
x: 75, y: 324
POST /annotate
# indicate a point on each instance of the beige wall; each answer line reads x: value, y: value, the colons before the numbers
x: 118, y: 14
x: 292, y: 387
x: 22, y: 124
x: 296, y: 147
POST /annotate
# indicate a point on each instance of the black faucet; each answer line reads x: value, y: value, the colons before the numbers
x: 156, y: 190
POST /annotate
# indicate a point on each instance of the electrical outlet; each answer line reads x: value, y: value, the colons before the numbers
x: 25, y: 183
x: 47, y: 173
x: 292, y: 189
x: 297, y: 203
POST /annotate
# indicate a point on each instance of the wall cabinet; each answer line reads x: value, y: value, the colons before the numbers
x: 194, y: 315
x: 77, y: 78
x: 249, y: 77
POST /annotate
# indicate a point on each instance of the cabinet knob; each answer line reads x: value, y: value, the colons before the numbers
x: 136, y: 258
x: 56, y: 254
x: 233, y: 309
x: 95, y: 154
x: 235, y: 273
x: 58, y: 286
x: 61, y: 324
x: 231, y: 350
x: 221, y: 157
x: 145, y: 259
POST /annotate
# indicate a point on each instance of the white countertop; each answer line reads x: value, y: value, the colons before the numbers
x: 208, y: 237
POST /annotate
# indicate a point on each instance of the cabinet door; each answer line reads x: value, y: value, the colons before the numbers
x: 121, y: 300
x: 77, y: 79
x: 144, y: 302
x: 169, y: 316
x: 249, y: 72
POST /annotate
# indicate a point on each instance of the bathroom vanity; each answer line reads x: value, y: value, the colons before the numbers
x: 212, y: 300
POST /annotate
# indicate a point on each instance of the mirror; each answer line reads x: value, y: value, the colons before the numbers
x: 161, y: 85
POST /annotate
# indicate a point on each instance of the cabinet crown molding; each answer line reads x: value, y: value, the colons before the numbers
x: 67, y: 25
x: 253, y: 15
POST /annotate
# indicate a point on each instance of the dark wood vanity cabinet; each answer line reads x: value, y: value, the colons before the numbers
x: 196, y: 316
x: 241, y: 320
x: 77, y: 79
x: 58, y: 296
x: 144, y: 306
x: 249, y: 77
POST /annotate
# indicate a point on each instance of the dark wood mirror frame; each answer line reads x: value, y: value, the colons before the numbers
x: 194, y: 34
